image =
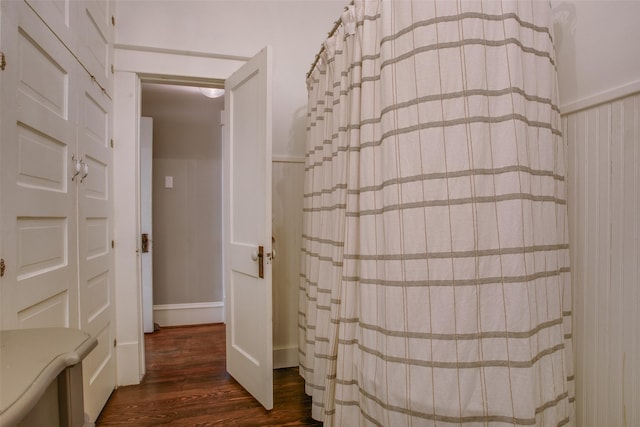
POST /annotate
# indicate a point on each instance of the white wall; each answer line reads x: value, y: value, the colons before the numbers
x: 187, y: 218
x: 596, y: 50
x: 599, y: 83
x: 240, y: 28
x: 604, y: 207
x: 211, y: 39
x: 597, y: 62
x: 288, y: 187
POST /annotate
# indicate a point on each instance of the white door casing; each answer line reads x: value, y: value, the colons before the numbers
x: 247, y: 152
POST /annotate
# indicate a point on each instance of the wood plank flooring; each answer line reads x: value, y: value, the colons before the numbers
x: 187, y: 385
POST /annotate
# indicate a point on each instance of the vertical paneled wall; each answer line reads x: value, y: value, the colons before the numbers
x: 288, y: 182
x: 604, y: 212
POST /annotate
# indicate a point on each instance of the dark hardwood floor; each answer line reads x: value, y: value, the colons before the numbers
x: 186, y: 384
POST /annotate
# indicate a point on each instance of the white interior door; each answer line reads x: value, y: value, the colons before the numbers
x: 56, y: 209
x: 38, y: 140
x: 95, y: 231
x: 248, y: 227
x: 146, y: 224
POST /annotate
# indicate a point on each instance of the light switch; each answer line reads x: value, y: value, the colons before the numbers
x: 168, y: 182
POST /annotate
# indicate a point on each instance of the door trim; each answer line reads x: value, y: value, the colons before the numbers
x: 132, y: 66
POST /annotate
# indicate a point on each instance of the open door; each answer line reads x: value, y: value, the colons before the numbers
x: 146, y: 221
x: 247, y: 210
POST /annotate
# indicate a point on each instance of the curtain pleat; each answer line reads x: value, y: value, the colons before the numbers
x: 435, y: 284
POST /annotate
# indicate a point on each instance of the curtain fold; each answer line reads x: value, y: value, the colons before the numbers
x: 435, y: 284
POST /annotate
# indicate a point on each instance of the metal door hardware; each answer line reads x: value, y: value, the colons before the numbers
x: 261, y: 262
x: 145, y: 242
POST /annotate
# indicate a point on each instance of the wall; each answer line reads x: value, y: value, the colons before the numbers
x: 604, y: 206
x: 597, y: 63
x: 593, y: 55
x: 187, y: 219
x: 213, y: 39
x: 295, y: 30
x: 599, y: 82
x: 288, y: 186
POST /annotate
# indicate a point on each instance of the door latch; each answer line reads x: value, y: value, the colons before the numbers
x: 260, y: 256
x: 261, y: 262
x: 145, y: 242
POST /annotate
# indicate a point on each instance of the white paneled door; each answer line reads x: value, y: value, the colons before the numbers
x: 56, y: 209
x: 96, y: 287
x: 248, y: 227
x: 39, y: 108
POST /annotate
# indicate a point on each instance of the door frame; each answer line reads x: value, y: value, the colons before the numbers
x: 134, y: 65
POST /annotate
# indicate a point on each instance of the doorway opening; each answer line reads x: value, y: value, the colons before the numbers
x: 181, y: 205
x: 249, y: 113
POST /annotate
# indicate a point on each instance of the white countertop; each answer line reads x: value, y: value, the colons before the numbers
x: 30, y: 359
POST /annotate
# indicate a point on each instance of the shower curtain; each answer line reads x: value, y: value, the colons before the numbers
x: 435, y: 283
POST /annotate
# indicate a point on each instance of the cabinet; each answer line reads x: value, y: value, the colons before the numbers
x: 56, y: 225
x: 46, y: 379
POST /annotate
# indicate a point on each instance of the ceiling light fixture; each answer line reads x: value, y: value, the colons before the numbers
x: 212, y: 92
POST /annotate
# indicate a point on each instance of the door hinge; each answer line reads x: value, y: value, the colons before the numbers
x: 111, y: 142
x: 3, y: 267
x: 113, y: 69
x: 113, y: 20
x: 113, y: 244
x: 115, y: 342
x: 3, y: 61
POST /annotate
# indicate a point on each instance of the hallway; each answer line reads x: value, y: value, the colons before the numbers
x: 187, y: 385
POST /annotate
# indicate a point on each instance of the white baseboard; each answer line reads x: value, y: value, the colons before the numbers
x: 188, y: 314
x: 285, y: 357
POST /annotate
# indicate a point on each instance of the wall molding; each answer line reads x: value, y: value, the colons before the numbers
x: 188, y: 314
x: 178, y: 66
x: 600, y: 98
x: 285, y: 357
x: 286, y: 159
x: 190, y: 53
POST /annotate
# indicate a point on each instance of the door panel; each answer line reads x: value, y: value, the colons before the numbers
x: 248, y: 226
x: 38, y: 139
x: 87, y: 29
x: 97, y: 313
x: 60, y: 16
x: 96, y: 29
x: 146, y: 219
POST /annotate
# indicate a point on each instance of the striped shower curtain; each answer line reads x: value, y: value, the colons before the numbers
x: 435, y: 283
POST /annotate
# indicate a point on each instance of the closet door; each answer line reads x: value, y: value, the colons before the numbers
x: 61, y: 16
x: 38, y: 210
x: 95, y: 269
x: 87, y: 29
x: 95, y: 49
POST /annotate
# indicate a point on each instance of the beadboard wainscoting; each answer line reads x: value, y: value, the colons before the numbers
x: 603, y: 162
x: 288, y: 179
